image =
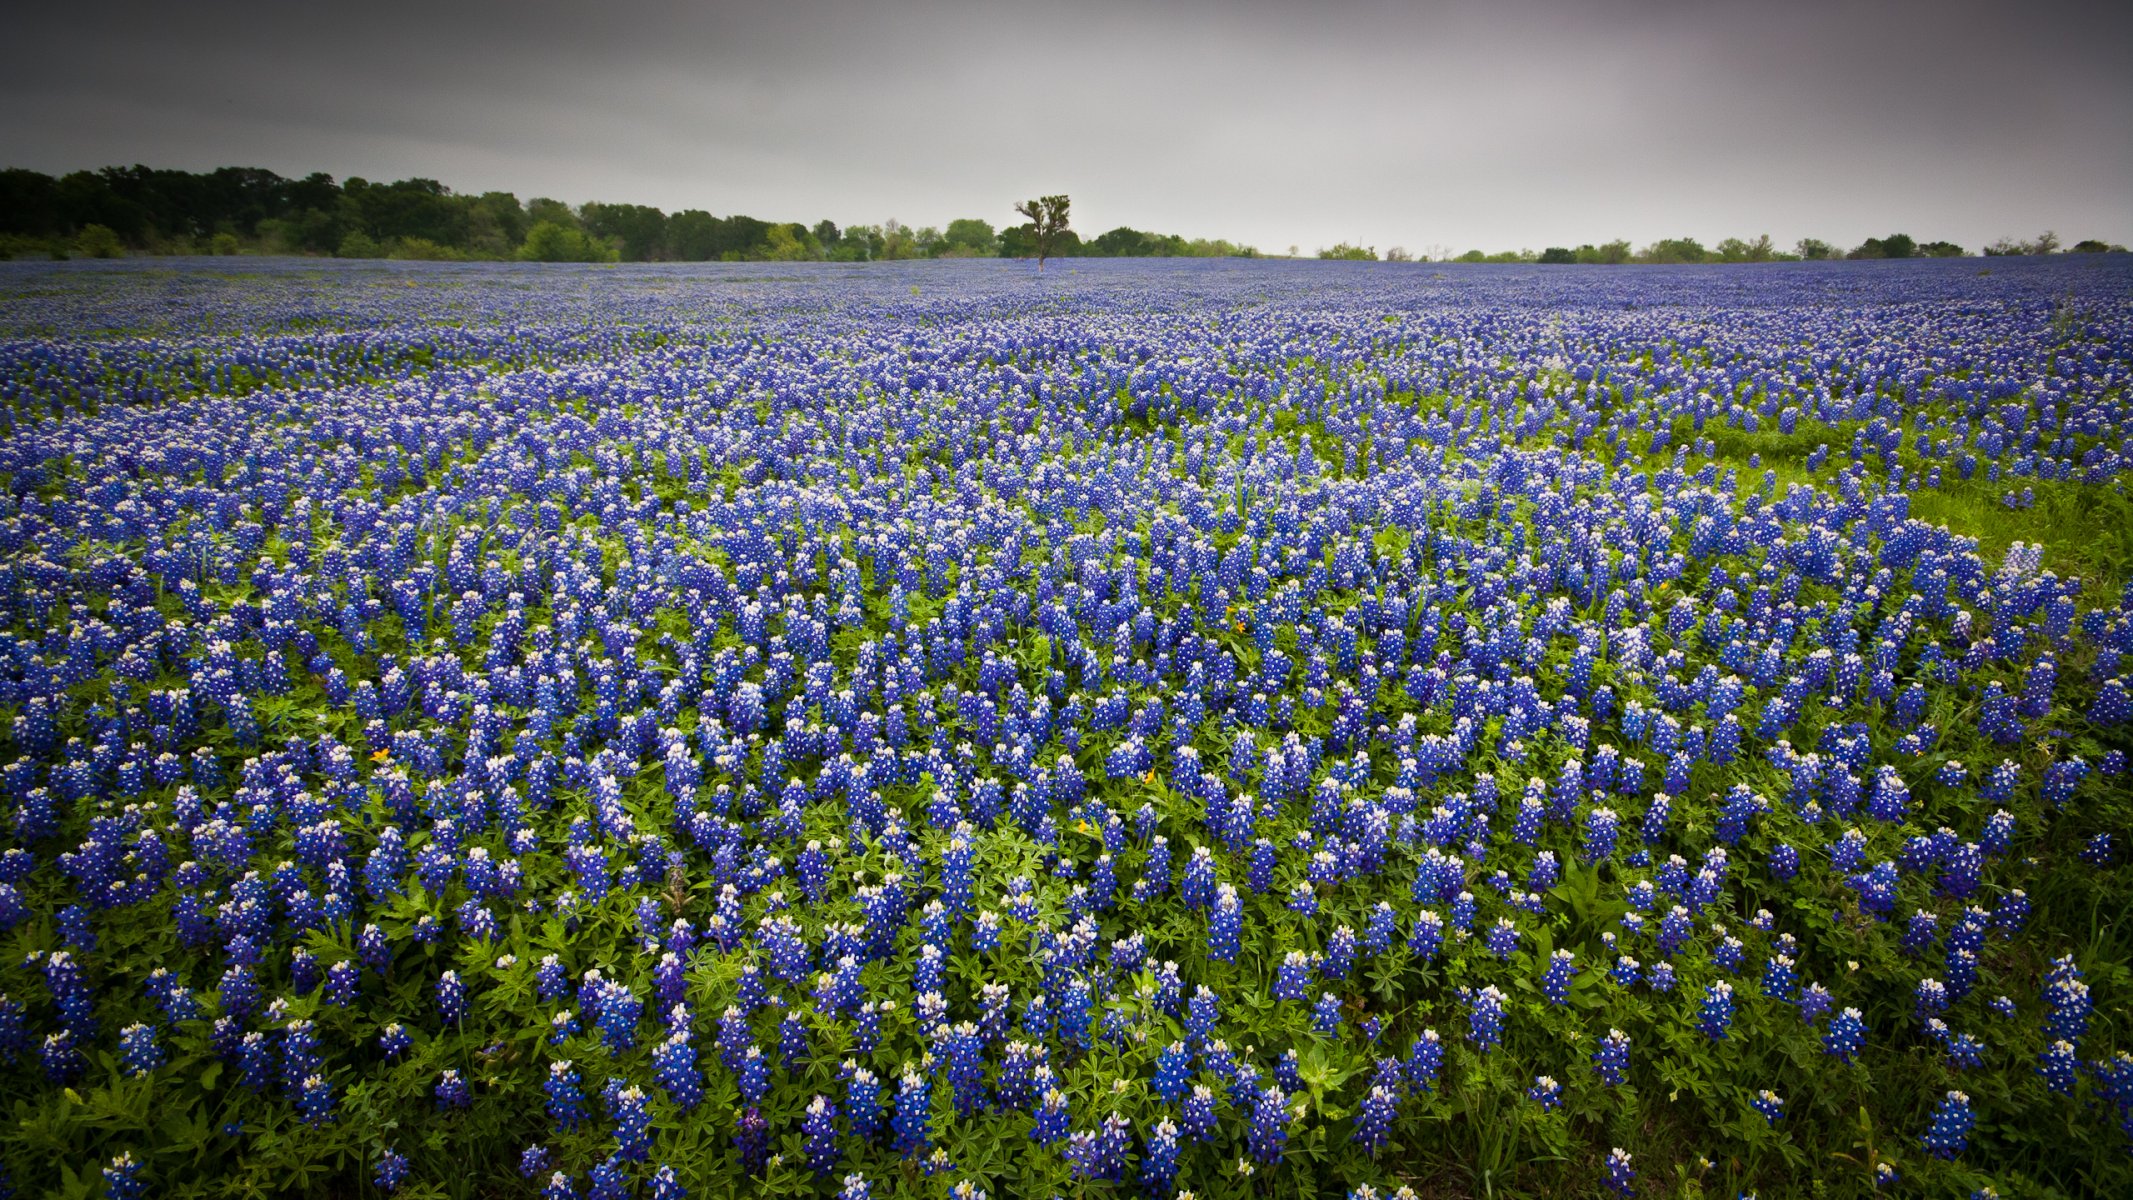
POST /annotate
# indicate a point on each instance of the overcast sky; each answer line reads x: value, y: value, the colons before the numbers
x: 1499, y: 125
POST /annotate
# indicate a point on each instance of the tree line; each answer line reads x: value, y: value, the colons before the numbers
x: 234, y: 210
x: 1730, y: 250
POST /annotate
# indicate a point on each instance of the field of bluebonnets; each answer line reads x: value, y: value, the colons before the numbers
x: 936, y: 730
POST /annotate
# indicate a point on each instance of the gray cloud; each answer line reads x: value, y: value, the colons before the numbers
x: 1515, y: 123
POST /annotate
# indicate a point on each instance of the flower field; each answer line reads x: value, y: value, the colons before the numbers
x: 1254, y: 729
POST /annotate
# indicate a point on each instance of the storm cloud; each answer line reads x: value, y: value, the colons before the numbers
x: 1518, y: 123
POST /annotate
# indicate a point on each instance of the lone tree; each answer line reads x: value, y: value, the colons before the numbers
x: 1047, y: 221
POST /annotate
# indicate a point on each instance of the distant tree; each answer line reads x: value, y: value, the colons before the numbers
x: 1814, y: 248
x: 1606, y: 253
x: 855, y: 243
x: 1122, y: 242
x: 639, y: 230
x: 692, y: 236
x: 1047, y: 224
x: 969, y: 237
x: 98, y: 241
x: 2046, y: 243
x: 791, y: 241
x: 742, y: 237
x: 357, y: 245
x: 501, y: 211
x: 424, y: 250
x: 1352, y: 253
x: 1675, y: 250
x: 548, y: 241
x: 896, y: 240
x: 1939, y: 250
x: 1896, y: 245
x: 555, y: 212
x: 1399, y: 254
x: 1559, y: 254
x: 2092, y: 246
x: 826, y: 233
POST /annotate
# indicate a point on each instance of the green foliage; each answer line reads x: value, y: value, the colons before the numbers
x: 2046, y: 243
x: 552, y: 242
x: 358, y: 245
x: 792, y: 242
x: 971, y: 237
x: 98, y: 241
x: 1896, y: 245
x: 1735, y: 250
x: 1350, y: 253
x: 1674, y: 250
x: 1046, y: 226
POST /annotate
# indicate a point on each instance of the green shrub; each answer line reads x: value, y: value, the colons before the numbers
x: 98, y: 241
x: 424, y: 250
x: 549, y: 241
x: 358, y: 245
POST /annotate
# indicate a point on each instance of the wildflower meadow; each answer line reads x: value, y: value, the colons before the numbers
x: 1253, y: 729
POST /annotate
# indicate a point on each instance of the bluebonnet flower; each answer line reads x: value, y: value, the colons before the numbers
x: 913, y: 1120
x: 1846, y: 1035
x: 1173, y: 1072
x: 1100, y: 1153
x: 314, y: 1101
x: 122, y: 1179
x: 1225, y: 926
x: 1428, y: 935
x: 1546, y: 1092
x: 1555, y: 981
x: 674, y: 1066
x: 1485, y: 1012
x: 1159, y: 1165
x: 1611, y: 1059
x: 633, y: 1125
x: 1950, y: 1129
x: 1621, y: 1176
x: 1292, y: 979
x: 1051, y: 1117
x: 451, y: 998
x: 1374, y: 1118
x: 139, y: 1052
x: 566, y: 1098
x: 1326, y: 1015
x: 1268, y: 1131
x: 820, y: 1134
x: 1714, y: 1016
x: 2057, y: 1065
x: 392, y: 1170
x: 451, y: 1091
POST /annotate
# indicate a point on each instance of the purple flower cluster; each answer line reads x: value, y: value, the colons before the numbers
x: 881, y: 683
